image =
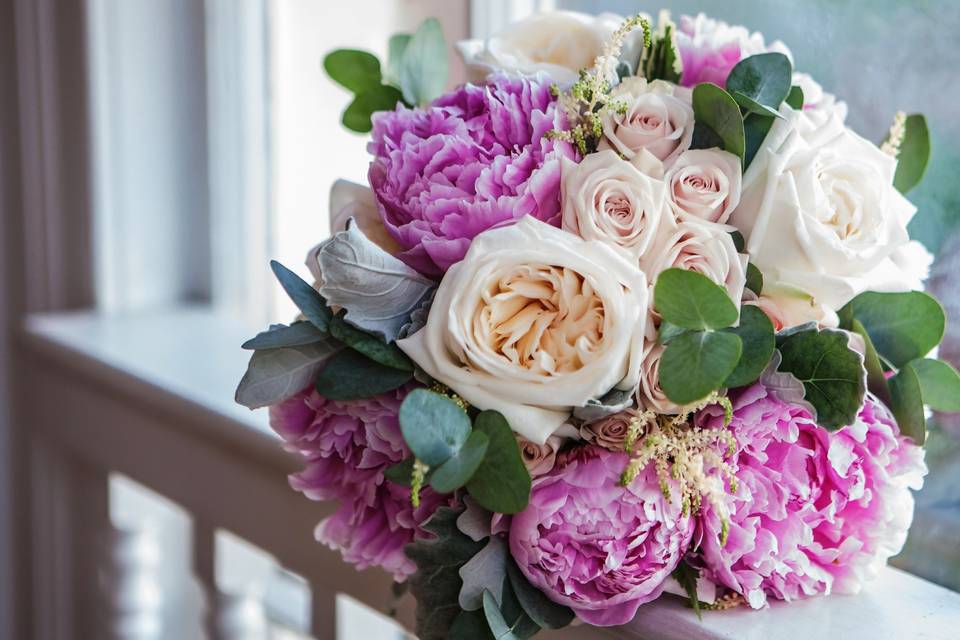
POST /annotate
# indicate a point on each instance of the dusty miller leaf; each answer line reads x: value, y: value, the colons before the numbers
x: 614, y: 401
x: 378, y: 291
x: 785, y: 386
x: 484, y: 572
x: 274, y: 375
x: 475, y: 521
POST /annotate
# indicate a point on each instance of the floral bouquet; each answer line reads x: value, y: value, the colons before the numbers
x: 633, y: 311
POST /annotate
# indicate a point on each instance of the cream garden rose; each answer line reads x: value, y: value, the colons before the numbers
x: 658, y: 117
x: 559, y: 43
x: 820, y: 214
x: 533, y: 322
x: 704, y: 184
x: 609, y: 199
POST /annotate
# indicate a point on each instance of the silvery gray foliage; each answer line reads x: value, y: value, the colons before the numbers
x: 419, y: 316
x: 785, y: 386
x: 274, y: 375
x: 484, y: 572
x: 475, y: 521
x: 378, y: 291
x: 614, y: 401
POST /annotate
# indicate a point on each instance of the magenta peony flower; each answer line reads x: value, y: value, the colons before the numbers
x: 477, y: 158
x: 710, y: 49
x: 814, y: 511
x: 348, y: 446
x: 601, y: 549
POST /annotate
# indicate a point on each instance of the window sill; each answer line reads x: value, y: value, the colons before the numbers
x: 185, y: 363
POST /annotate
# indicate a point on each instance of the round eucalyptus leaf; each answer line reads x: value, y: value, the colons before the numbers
x: 460, y: 467
x: 379, y: 98
x: 697, y: 363
x: 353, y: 69
x: 903, y: 326
x: 756, y: 333
x: 719, y: 113
x: 502, y: 483
x: 764, y: 78
x: 691, y: 300
x: 914, y: 154
x: 907, y: 404
x: 433, y: 426
x: 939, y: 384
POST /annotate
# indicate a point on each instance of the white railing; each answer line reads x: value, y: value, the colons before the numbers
x: 150, y: 397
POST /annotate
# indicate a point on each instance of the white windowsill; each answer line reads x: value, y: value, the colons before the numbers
x: 188, y: 361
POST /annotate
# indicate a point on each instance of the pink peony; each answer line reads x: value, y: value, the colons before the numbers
x: 348, y: 446
x: 814, y: 511
x: 710, y: 49
x: 596, y: 547
x: 477, y: 158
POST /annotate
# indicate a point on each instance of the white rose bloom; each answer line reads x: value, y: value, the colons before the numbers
x: 704, y: 184
x: 704, y: 247
x: 609, y: 199
x: 658, y: 118
x: 559, y: 43
x: 820, y: 214
x: 533, y: 322
x: 814, y: 97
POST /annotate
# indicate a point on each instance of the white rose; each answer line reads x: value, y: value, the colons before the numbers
x: 704, y: 184
x: 559, y: 43
x: 658, y: 118
x: 609, y: 199
x: 815, y: 98
x: 704, y: 247
x: 819, y: 211
x: 788, y: 307
x: 533, y: 322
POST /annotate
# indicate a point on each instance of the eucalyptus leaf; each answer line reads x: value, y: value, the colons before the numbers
x: 738, y: 241
x: 281, y: 335
x: 795, y: 98
x: 502, y: 483
x: 614, y: 401
x: 749, y: 105
x: 668, y: 332
x: 833, y: 374
x: 460, y: 467
x: 388, y: 355
x: 436, y: 583
x: 353, y: 69
x: 754, y: 279
x: 764, y: 78
x: 876, y: 378
x: 542, y: 610
x: 755, y: 130
x: 907, y: 404
x: 274, y: 375
x: 716, y: 109
x: 756, y: 334
x: 505, y: 626
x: 350, y: 375
x: 434, y: 426
x: 903, y: 326
x: 396, y: 48
x: 484, y: 572
x: 939, y: 384
x: 697, y: 363
x: 377, y: 290
x: 307, y: 299
x: 691, y: 300
x: 470, y: 625
x: 914, y: 154
x: 423, y: 73
x: 401, y: 473
x: 358, y: 114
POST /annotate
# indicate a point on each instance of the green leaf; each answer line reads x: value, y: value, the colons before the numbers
x: 716, y: 109
x: 357, y: 116
x: 738, y: 241
x: 754, y: 279
x: 757, y: 335
x: 755, y: 130
x: 691, y: 300
x: 401, y: 473
x: 697, y: 363
x: 668, y: 332
x: 939, y: 384
x: 764, y: 78
x: 749, y: 105
x: 907, y: 404
x: 423, y: 73
x: 353, y: 69
x: 876, y: 379
x: 903, y: 326
x: 434, y: 426
x: 396, y: 48
x: 280, y: 335
x: 502, y: 483
x: 460, y: 467
x: 542, y: 610
x: 795, y: 98
x: 688, y: 576
x: 663, y: 60
x: 303, y: 295
x: 274, y: 375
x: 470, y: 625
x: 914, y: 154
x: 504, y: 625
x: 369, y: 345
x: 833, y: 376
x: 350, y: 375
x: 436, y: 584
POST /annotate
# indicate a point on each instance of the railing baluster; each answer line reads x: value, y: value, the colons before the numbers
x: 204, y: 569
x: 323, y: 611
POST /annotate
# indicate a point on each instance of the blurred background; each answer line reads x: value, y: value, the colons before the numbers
x: 154, y: 155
